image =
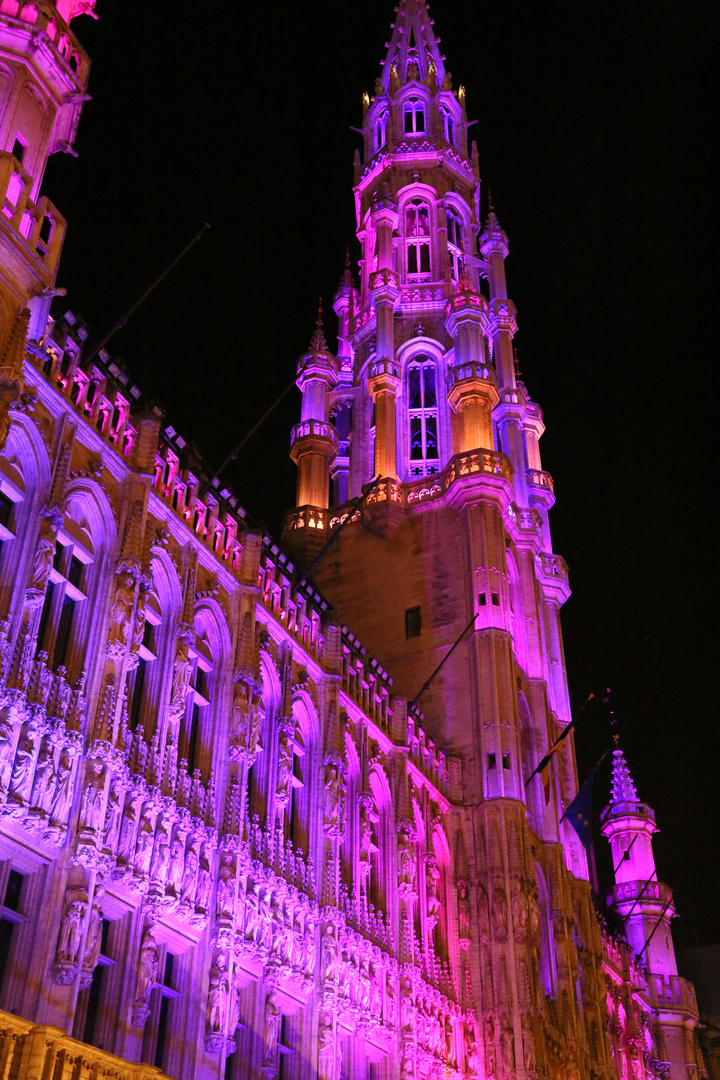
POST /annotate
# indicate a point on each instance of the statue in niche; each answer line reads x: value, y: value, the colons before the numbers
x: 139, y: 628
x: 92, y: 798
x: 450, y: 1054
x: 499, y: 913
x: 389, y: 1007
x: 71, y: 927
x: 406, y: 861
x: 181, y: 680
x: 463, y: 905
x: 520, y: 910
x: 42, y: 563
x: 175, y: 872
x: 284, y: 777
x: 93, y: 938
x: 326, y: 1046
x: 226, y: 889
x: 447, y: 81
x: 233, y: 1009
x: 204, y: 887
x: 332, y: 800
x: 189, y: 877
x: 363, y: 986
x: 147, y: 976
x: 112, y: 816
x: 63, y: 788
x: 407, y: 1012
x: 297, y: 938
x: 272, y: 1028
x: 7, y: 750
x: 161, y: 857
x: 413, y: 72
x: 121, y: 612
x: 143, y: 851
x: 533, y: 913
x: 43, y: 786
x: 217, y: 996
x: 375, y: 992
x: 126, y: 843
x: 22, y: 767
x: 308, y: 949
x: 329, y: 954
x: 252, y: 903
x: 472, y: 1057
x: 507, y: 1047
x: 432, y: 877
x: 528, y: 1046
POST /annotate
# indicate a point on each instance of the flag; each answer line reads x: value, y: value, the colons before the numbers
x: 579, y: 812
x: 545, y: 762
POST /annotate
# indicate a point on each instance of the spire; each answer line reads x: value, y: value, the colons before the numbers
x: 413, y: 45
x: 623, y: 788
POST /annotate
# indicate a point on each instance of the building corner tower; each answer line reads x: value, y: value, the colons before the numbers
x: 644, y: 905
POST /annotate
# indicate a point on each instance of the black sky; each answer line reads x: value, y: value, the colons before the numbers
x: 595, y: 132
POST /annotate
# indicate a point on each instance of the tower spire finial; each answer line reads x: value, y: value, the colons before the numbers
x: 318, y: 343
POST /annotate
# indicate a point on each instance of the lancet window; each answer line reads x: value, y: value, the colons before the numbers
x: 66, y: 590
x: 448, y: 124
x: 198, y: 699
x: 454, y: 242
x: 414, y: 117
x: 147, y: 657
x: 381, y: 126
x: 423, y: 416
x: 417, y: 237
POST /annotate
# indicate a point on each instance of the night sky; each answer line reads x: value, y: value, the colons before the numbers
x: 595, y: 135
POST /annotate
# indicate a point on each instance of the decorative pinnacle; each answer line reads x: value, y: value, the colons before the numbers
x: 317, y: 341
x: 623, y: 788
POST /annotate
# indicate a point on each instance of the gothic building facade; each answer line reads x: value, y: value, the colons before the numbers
x: 246, y: 828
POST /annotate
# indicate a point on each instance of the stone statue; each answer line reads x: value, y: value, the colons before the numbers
x: 533, y: 913
x: 121, y: 612
x: 499, y: 914
x: 226, y: 890
x: 331, y: 799
x: 71, y: 927
x: 143, y: 851
x: 329, y: 954
x: 272, y: 1028
x: 161, y: 857
x: 519, y: 905
x: 406, y: 860
x: 147, y: 973
x: 181, y: 680
x: 463, y: 904
x: 189, y: 878
x: 217, y: 995
x: 93, y: 938
x: 42, y: 563
x: 63, y: 788
x: 432, y: 876
x: 112, y: 816
x: 92, y: 798
x: 44, y: 782
x: 204, y: 887
x: 22, y: 767
x: 175, y: 873
x: 284, y: 774
x: 7, y: 751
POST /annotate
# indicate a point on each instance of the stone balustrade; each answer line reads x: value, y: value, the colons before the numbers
x: 631, y: 890
x: 38, y: 1051
x: 536, y: 478
x: 672, y: 992
x: 40, y: 227
x: 474, y: 369
x: 314, y: 429
x: 47, y: 24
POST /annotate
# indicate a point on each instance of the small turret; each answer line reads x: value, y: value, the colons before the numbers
x: 314, y: 440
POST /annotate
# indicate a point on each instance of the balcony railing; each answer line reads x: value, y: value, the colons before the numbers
x: 38, y: 226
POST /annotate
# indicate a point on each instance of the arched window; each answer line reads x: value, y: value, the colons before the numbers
x: 448, y: 124
x: 66, y: 590
x: 198, y: 698
x: 381, y: 125
x: 417, y: 237
x: 414, y: 117
x: 423, y: 416
x: 148, y: 650
x: 454, y: 241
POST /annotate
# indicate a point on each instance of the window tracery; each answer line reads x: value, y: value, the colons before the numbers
x: 414, y: 117
x: 454, y: 241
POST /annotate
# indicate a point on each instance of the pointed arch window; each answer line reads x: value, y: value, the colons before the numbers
x: 454, y: 241
x: 381, y: 126
x: 66, y: 589
x: 423, y: 416
x: 414, y: 117
x: 448, y: 124
x: 417, y: 237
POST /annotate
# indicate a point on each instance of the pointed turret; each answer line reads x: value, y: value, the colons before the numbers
x: 414, y: 50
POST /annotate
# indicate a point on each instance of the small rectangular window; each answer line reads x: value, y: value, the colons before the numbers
x: 491, y: 761
x: 496, y: 599
x: 413, y: 622
x: 482, y: 599
x: 18, y: 150
x: 506, y: 761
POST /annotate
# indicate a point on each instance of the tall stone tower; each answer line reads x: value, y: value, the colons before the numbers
x: 645, y: 907
x: 448, y: 558
x: 43, y: 81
